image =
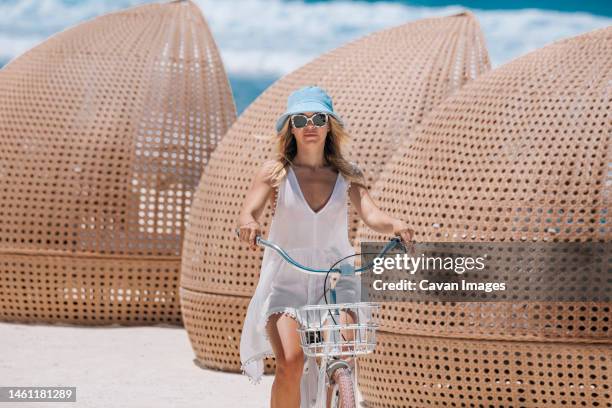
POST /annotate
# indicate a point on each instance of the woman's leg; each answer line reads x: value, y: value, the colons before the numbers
x: 289, y: 361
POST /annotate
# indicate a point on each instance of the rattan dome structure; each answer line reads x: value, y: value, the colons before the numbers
x: 382, y: 85
x: 105, y: 129
x: 520, y: 154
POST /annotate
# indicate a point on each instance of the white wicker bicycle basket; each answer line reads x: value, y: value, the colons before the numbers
x: 327, y: 330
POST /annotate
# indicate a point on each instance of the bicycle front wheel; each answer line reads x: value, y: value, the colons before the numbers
x: 343, y: 393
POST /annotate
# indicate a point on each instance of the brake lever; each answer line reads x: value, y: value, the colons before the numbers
x: 402, y: 246
x: 399, y: 243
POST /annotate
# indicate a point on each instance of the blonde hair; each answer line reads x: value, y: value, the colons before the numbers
x: 337, y: 137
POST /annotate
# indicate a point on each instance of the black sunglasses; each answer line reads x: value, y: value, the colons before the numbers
x: 300, y: 120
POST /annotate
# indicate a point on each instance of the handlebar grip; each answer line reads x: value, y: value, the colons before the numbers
x: 237, y: 232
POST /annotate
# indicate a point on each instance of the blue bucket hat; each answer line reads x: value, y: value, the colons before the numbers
x: 308, y: 99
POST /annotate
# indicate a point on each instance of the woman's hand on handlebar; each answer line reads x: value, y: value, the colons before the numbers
x: 402, y: 230
x: 249, y: 232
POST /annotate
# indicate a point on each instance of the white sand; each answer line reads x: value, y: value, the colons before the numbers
x: 115, y: 366
x: 119, y: 367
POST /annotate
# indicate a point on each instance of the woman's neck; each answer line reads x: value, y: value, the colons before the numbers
x: 313, y: 161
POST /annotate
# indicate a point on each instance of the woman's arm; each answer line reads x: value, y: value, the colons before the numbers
x: 254, y: 204
x: 373, y: 216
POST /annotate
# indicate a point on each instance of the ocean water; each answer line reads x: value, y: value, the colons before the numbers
x: 262, y: 40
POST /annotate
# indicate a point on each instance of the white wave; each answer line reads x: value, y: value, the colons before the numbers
x: 26, y: 23
x: 274, y: 37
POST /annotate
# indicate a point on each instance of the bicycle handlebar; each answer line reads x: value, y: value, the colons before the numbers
x: 393, y: 242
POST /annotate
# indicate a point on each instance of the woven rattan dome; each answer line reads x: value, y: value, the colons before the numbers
x: 521, y: 153
x: 382, y: 85
x: 105, y: 129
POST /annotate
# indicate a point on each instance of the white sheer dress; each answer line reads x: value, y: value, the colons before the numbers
x: 315, y: 239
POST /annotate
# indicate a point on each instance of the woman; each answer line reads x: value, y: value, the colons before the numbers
x: 312, y: 183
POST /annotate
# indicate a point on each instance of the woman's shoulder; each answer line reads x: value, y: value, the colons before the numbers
x: 357, y: 171
x: 268, y: 165
x: 355, y: 175
x: 269, y: 170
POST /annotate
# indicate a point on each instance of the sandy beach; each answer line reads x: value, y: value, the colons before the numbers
x: 120, y: 367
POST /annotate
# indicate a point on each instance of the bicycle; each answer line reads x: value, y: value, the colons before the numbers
x: 322, y: 338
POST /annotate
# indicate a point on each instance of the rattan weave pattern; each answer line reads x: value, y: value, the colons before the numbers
x: 530, y: 321
x: 105, y: 129
x: 421, y: 372
x: 520, y: 154
x: 380, y: 99
x: 215, y: 323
